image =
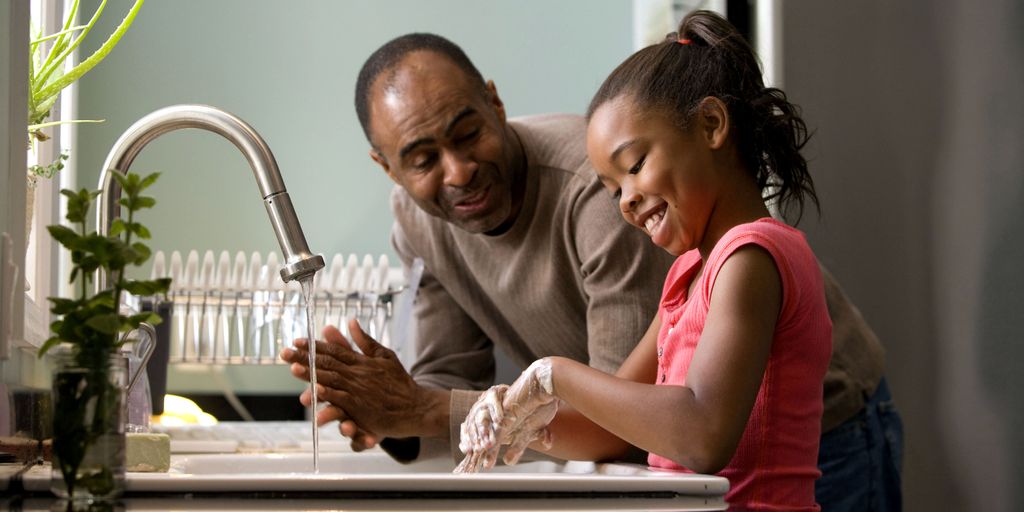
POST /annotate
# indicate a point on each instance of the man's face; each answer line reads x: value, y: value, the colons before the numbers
x: 442, y: 137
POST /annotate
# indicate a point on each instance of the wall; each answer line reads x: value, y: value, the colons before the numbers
x: 918, y: 116
x: 289, y: 69
x: 290, y: 72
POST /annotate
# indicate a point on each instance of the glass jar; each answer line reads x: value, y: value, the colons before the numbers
x: 88, y: 426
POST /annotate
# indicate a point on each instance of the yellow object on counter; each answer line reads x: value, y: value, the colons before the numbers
x: 179, y: 410
x: 150, y: 453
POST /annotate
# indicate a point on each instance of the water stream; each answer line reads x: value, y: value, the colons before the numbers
x: 309, y: 294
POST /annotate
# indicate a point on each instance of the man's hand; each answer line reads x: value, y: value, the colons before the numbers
x: 361, y: 439
x: 371, y: 393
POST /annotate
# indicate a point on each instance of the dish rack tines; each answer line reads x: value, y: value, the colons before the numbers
x: 245, y: 314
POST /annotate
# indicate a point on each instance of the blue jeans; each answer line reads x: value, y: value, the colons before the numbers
x: 860, y: 460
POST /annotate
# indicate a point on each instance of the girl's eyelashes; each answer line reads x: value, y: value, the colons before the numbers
x: 636, y: 167
x: 617, y: 194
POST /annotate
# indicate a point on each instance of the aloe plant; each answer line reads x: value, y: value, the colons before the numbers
x: 48, y: 77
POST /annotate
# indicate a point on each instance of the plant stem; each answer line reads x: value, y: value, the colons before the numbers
x: 81, y: 275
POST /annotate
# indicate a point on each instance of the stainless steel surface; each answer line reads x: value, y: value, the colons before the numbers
x: 149, y: 332
x: 299, y: 262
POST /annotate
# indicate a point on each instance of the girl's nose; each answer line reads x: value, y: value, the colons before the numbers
x: 459, y: 168
x: 629, y: 199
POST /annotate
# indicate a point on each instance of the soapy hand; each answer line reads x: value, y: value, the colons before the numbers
x: 478, y: 436
x: 514, y: 415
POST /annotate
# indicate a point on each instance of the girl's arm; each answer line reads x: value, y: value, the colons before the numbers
x: 698, y: 425
x: 576, y: 437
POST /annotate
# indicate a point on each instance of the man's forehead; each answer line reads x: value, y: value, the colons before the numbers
x: 416, y: 101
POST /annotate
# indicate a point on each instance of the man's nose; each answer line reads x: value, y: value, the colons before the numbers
x: 459, y: 168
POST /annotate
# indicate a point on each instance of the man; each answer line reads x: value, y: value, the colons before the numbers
x: 522, y: 249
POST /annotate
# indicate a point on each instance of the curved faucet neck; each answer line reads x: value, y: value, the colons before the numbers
x: 298, y: 260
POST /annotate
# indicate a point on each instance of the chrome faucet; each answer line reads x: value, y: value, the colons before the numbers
x: 299, y: 263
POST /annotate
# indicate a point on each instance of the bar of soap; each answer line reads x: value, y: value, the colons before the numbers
x: 149, y: 453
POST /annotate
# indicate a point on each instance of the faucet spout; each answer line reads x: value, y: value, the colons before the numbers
x: 299, y: 262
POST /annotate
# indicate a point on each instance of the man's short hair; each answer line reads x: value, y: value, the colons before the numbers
x: 387, y: 56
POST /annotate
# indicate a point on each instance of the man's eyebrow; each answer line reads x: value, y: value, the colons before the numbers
x: 622, y: 147
x: 466, y: 112
x: 412, y: 145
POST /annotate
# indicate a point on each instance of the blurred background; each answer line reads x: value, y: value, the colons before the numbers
x: 917, y: 109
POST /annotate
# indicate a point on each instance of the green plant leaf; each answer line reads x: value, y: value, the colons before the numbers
x: 148, y: 288
x: 122, y: 181
x: 108, y: 324
x: 140, y: 230
x: 142, y: 253
x: 62, y: 306
x: 50, y: 170
x: 148, y: 180
x: 87, y: 64
x: 116, y: 227
x: 104, y: 299
x: 148, y: 317
x: 63, y: 235
x: 47, y: 345
x: 78, y: 205
x: 144, y: 202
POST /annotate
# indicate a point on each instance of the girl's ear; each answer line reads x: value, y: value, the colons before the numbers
x: 713, y: 121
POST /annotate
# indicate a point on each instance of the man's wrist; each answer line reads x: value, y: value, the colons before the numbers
x: 435, y: 412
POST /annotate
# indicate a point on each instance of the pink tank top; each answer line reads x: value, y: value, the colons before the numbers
x: 775, y: 464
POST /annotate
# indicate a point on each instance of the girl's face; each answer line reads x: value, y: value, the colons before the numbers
x: 661, y: 176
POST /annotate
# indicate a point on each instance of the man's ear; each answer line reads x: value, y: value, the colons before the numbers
x: 495, y: 100
x: 713, y: 121
x: 376, y: 156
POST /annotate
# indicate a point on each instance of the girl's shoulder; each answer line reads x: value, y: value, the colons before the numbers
x: 788, y: 247
x: 778, y: 238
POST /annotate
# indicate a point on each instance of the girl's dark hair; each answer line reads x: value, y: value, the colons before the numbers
x: 673, y: 77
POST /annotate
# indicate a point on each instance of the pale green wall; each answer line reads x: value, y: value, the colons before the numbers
x: 289, y: 68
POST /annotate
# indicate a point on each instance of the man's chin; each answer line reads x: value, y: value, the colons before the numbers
x: 477, y: 225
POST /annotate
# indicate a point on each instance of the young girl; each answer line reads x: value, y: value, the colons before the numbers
x: 728, y: 378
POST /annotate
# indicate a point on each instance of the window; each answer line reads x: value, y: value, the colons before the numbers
x: 42, y: 259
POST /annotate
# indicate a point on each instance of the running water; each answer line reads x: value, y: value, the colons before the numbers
x: 309, y: 294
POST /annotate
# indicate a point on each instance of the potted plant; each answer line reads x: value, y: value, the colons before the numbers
x: 48, y: 57
x: 90, y: 380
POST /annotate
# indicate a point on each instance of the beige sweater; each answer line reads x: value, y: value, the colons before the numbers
x: 570, y: 278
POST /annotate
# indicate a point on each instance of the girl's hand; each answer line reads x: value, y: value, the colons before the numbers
x: 478, y: 437
x: 515, y: 416
x: 530, y: 405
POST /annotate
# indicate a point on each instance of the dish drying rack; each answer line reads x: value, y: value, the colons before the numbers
x: 239, y: 311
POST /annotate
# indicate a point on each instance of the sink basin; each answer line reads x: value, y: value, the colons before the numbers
x: 376, y: 472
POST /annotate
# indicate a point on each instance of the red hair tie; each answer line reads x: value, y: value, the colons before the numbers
x: 683, y: 41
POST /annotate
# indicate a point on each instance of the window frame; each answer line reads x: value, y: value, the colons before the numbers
x: 44, y: 264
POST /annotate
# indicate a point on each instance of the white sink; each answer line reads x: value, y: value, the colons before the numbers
x: 376, y: 472
x: 374, y: 462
